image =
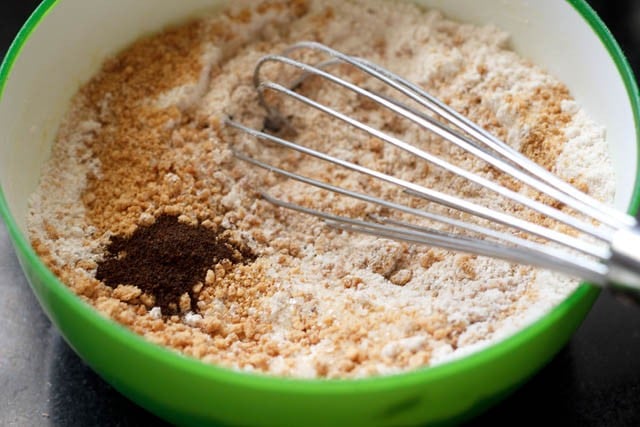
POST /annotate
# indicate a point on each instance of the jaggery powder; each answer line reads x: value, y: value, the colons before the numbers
x: 145, y: 214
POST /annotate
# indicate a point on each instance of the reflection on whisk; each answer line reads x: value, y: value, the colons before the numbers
x: 606, y: 253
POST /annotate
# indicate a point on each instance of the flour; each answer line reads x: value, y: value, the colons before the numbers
x: 317, y: 302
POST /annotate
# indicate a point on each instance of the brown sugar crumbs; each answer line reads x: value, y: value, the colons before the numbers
x: 145, y: 214
x: 167, y: 259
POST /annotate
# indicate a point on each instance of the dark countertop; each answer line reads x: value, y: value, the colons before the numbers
x: 593, y: 381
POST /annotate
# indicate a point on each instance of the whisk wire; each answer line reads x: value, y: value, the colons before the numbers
x: 602, y: 249
x: 437, y: 128
x: 595, y: 269
x: 546, y: 182
x: 439, y: 197
x: 588, y: 204
x: 586, y: 269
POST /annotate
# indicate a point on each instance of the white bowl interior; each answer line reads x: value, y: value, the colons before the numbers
x: 72, y: 41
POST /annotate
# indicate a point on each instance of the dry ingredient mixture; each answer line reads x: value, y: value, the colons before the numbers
x: 143, y: 211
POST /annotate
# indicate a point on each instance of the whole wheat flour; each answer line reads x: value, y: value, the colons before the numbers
x: 144, y: 140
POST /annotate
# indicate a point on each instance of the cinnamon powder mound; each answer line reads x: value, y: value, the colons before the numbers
x: 144, y: 213
x: 166, y: 260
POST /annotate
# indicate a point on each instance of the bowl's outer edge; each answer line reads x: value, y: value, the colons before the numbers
x: 188, y: 392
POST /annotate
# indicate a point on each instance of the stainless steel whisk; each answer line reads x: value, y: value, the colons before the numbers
x: 610, y: 255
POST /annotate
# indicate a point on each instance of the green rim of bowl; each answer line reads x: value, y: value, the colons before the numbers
x: 258, y: 381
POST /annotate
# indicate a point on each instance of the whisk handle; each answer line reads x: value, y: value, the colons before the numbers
x: 624, y: 264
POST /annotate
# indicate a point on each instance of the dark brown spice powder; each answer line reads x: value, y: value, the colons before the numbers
x: 166, y: 259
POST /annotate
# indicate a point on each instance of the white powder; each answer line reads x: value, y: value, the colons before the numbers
x: 55, y: 205
x: 340, y: 304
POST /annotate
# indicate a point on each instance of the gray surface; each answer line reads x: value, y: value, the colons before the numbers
x: 27, y: 338
x: 42, y: 381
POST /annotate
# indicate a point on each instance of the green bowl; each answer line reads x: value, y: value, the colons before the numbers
x: 64, y: 42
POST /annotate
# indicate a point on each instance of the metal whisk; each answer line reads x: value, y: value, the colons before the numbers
x: 608, y: 253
